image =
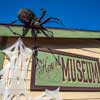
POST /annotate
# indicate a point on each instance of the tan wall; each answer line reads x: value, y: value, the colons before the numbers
x: 83, y: 47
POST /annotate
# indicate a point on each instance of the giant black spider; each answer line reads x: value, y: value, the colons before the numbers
x: 30, y: 21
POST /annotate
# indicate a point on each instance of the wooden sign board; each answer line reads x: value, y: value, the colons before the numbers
x: 69, y: 71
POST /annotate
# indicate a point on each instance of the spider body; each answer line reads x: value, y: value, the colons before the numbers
x: 26, y: 16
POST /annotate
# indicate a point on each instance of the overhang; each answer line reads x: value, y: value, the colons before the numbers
x: 57, y: 32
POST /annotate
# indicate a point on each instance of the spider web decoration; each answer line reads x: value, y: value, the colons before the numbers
x: 12, y: 83
x: 49, y: 95
x: 14, y: 74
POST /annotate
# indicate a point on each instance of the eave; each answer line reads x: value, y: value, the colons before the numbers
x: 57, y: 32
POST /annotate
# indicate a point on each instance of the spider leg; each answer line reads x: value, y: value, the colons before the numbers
x: 33, y: 33
x: 14, y: 21
x: 56, y: 20
x: 46, y: 32
x: 50, y: 33
x: 13, y: 31
x: 35, y: 51
x: 43, y: 12
x: 35, y: 48
x: 25, y: 31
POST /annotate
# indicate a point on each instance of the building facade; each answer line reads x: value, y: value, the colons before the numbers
x: 74, y: 49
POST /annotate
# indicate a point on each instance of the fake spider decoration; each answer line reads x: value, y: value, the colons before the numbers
x: 30, y: 21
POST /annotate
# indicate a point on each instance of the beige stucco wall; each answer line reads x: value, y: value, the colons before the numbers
x: 87, y: 48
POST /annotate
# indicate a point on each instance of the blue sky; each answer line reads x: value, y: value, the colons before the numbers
x: 75, y: 14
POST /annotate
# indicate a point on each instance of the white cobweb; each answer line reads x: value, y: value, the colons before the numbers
x: 12, y: 83
x: 14, y: 74
x: 50, y: 95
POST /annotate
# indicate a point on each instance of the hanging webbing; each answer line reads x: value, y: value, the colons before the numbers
x: 12, y: 84
x: 14, y: 74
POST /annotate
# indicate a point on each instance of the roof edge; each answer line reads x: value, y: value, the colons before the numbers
x: 57, y: 28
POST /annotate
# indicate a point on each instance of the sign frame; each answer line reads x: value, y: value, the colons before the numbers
x: 34, y: 87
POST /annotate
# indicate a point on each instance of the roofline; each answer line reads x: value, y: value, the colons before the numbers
x: 70, y: 29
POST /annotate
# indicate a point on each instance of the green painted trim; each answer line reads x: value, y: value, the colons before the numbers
x: 58, y: 33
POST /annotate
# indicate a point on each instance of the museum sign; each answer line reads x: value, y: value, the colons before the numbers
x: 69, y: 71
